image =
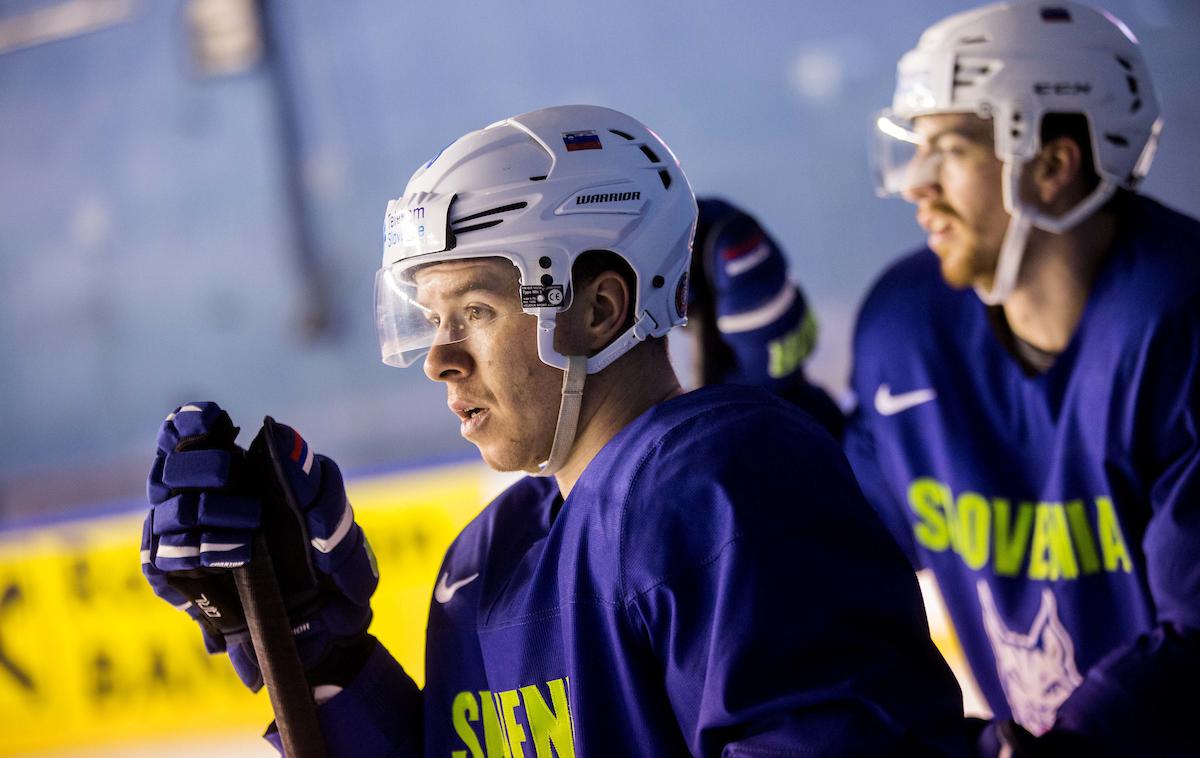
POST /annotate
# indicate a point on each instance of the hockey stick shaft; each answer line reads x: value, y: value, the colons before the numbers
x: 271, y: 633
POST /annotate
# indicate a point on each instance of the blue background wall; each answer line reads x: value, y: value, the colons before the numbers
x: 148, y: 243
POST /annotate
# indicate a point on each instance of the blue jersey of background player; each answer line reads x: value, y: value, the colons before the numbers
x: 659, y: 587
x: 1035, y: 443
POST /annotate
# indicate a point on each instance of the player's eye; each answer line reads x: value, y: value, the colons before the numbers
x: 952, y: 146
x: 477, y: 314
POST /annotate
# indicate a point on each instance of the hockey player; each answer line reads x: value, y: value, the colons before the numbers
x: 658, y: 585
x: 1036, y: 440
x: 1034, y: 443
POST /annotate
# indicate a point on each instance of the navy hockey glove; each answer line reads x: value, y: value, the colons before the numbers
x: 208, y: 498
x: 756, y: 327
x: 759, y: 311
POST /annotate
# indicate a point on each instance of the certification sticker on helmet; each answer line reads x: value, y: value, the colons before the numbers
x: 539, y: 296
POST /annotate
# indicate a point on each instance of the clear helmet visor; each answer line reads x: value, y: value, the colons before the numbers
x: 416, y: 310
x: 898, y: 162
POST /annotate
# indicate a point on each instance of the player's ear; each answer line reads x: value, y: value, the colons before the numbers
x: 597, y: 314
x: 1057, y: 173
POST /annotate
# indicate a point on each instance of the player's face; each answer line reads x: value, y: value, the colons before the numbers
x: 958, y: 196
x: 505, y: 398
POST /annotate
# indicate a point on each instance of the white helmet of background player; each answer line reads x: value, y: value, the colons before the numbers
x: 1015, y: 63
x: 540, y: 189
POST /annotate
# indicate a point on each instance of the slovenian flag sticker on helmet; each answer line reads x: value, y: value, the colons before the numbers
x: 586, y: 140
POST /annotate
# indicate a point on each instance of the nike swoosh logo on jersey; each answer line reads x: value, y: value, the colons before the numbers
x: 889, y: 405
x: 444, y: 592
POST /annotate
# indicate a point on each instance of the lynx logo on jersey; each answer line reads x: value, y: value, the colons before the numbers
x: 1037, y: 669
x: 546, y: 730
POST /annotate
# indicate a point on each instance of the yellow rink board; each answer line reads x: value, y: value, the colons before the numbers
x: 89, y: 656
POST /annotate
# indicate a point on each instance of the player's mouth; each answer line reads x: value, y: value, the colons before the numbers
x: 938, y: 236
x: 938, y: 228
x: 471, y: 416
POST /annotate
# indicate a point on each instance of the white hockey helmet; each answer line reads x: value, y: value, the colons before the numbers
x: 540, y: 189
x: 1014, y: 63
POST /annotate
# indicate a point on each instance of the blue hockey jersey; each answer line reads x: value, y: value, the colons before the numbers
x: 1060, y: 512
x: 714, y: 584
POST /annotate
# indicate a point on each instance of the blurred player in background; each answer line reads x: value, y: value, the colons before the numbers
x: 748, y: 321
x: 1034, y: 442
x: 657, y: 586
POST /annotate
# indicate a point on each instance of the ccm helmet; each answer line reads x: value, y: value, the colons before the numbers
x: 1014, y: 63
x: 539, y: 190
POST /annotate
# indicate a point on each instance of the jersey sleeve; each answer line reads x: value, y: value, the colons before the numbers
x: 785, y: 621
x: 1140, y: 699
x: 879, y: 327
x: 378, y: 714
x: 858, y: 442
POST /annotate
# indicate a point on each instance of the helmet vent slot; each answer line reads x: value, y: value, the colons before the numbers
x: 477, y: 227
x: 481, y: 214
x: 1124, y: 63
x: 1116, y: 139
x: 665, y: 176
x: 537, y: 178
x: 649, y: 153
x: 968, y: 72
x: 621, y: 134
x: 978, y: 39
x: 1054, y: 15
x: 491, y: 212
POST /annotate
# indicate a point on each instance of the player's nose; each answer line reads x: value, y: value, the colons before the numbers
x: 915, y: 193
x: 448, y: 361
x: 921, y: 179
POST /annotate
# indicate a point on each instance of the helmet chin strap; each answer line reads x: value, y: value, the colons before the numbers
x: 1023, y: 219
x: 576, y: 368
x: 568, y: 415
x: 1008, y: 265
